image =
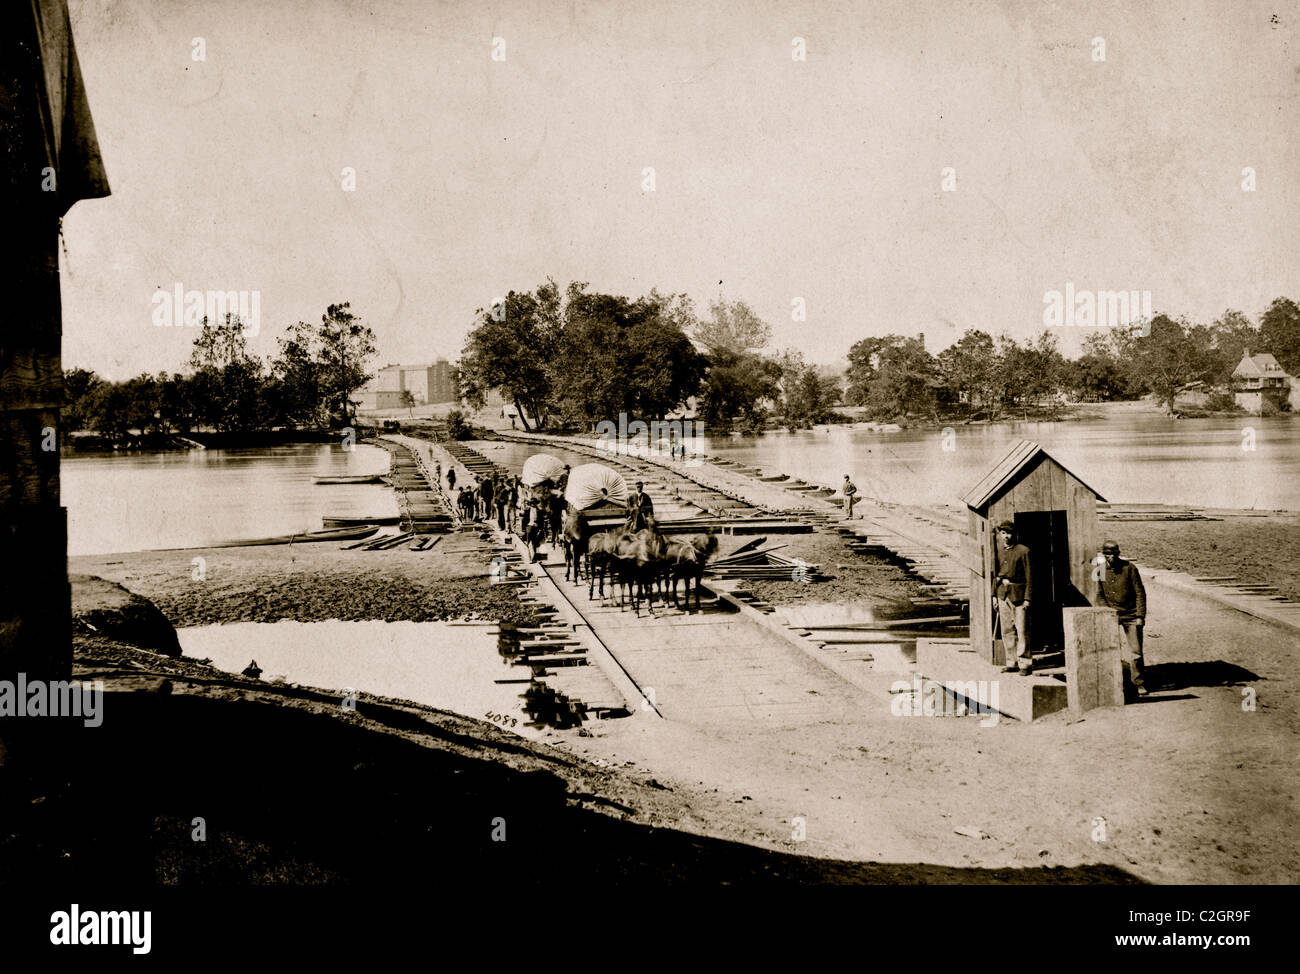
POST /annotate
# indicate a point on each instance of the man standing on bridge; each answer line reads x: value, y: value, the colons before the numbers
x: 850, y: 492
x: 1122, y: 590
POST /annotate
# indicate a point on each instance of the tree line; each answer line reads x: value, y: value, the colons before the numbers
x: 308, y: 385
x: 572, y: 358
x: 982, y: 377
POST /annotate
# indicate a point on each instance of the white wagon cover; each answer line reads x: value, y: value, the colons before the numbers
x: 540, y: 467
x: 594, y: 483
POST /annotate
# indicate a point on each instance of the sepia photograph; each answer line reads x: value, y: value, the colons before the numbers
x: 488, y: 449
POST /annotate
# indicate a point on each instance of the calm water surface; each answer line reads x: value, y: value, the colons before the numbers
x: 433, y: 663
x: 1140, y: 459
x: 133, y: 502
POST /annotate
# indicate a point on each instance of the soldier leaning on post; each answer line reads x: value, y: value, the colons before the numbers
x: 1122, y: 590
x: 1015, y: 588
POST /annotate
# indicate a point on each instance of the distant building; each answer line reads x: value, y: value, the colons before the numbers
x: 1258, y: 379
x: 429, y: 383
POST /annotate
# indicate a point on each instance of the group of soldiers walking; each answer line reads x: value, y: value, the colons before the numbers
x: 535, y: 514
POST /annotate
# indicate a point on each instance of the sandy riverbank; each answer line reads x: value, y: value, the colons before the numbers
x: 287, y: 786
x: 1191, y: 787
x: 1259, y: 549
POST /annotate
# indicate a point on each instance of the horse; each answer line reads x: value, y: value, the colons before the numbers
x: 577, y: 536
x: 601, y: 550
x: 686, y: 559
x: 639, y: 557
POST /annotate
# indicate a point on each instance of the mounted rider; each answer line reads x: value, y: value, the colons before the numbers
x: 639, y: 509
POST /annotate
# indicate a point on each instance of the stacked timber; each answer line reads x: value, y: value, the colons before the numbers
x: 752, y: 562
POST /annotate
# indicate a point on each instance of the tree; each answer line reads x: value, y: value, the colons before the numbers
x: 644, y: 363
x: 1173, y: 355
x: 805, y: 396
x: 1233, y: 336
x: 735, y: 390
x: 219, y: 343
x: 298, y: 371
x: 346, y: 345
x: 177, y: 403
x: 408, y: 400
x: 1279, y: 333
x: 970, y: 369
x: 902, y: 381
x: 457, y: 427
x: 79, y: 387
x: 509, y: 349
x: 109, y: 412
x: 863, y: 356
x: 732, y: 328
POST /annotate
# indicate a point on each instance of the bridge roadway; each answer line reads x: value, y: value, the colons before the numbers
x: 709, y: 668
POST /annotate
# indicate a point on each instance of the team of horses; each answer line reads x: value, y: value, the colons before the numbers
x: 635, y: 563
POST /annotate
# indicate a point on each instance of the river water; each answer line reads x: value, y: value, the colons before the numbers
x: 131, y: 502
x: 183, y: 499
x: 440, y: 664
x: 1237, y: 462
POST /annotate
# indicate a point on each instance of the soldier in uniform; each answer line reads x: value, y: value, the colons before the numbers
x: 639, y: 507
x: 1012, y: 594
x: 1122, y: 590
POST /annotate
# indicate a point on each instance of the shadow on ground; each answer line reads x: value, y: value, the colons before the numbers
x: 289, y: 796
x: 1208, y: 673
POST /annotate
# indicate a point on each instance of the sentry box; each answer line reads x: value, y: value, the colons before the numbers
x: 1055, y: 516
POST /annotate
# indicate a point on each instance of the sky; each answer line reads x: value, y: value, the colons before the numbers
x: 775, y: 179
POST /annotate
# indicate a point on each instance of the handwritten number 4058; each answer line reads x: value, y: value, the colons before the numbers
x: 501, y: 719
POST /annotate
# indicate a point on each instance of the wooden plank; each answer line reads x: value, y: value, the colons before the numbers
x: 1093, y: 674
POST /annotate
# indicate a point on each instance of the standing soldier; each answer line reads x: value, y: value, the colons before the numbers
x: 451, y: 478
x: 530, y: 520
x: 850, y: 492
x: 487, y: 489
x: 1122, y: 590
x: 555, y: 516
x: 502, y: 500
x: 1015, y: 588
x: 513, y: 501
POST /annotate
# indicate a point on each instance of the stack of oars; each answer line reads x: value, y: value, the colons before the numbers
x: 751, y: 561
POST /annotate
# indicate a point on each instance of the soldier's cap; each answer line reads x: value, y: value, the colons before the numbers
x: 1109, y: 547
x: 640, y: 484
x: 1007, y: 526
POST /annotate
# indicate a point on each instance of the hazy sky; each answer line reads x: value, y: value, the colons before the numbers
x: 778, y: 178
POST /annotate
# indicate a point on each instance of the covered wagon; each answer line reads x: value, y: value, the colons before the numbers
x: 595, y: 488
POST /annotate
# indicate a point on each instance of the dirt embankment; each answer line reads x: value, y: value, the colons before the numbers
x: 1261, y: 550
x: 107, y: 609
x: 197, y: 777
x: 312, y: 583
